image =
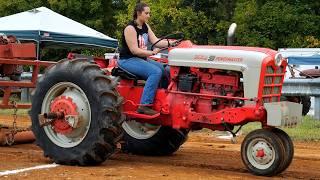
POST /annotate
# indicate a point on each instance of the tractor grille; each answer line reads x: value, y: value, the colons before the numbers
x: 273, y: 81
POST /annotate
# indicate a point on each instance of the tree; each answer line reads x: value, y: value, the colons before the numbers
x: 97, y: 14
x: 8, y: 7
x: 170, y: 16
x: 277, y: 24
x: 266, y: 23
x: 219, y: 14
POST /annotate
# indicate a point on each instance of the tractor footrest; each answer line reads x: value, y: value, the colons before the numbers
x: 134, y: 114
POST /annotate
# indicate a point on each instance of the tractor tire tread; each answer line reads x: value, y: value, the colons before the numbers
x: 165, y: 142
x: 288, y: 146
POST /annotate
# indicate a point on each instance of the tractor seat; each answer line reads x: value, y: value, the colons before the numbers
x: 124, y: 74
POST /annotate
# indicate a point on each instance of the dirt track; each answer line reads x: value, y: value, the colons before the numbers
x: 203, y: 156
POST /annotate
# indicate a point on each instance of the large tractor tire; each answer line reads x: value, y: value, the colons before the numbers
x: 77, y: 87
x: 263, y: 153
x: 306, y: 104
x: 151, y: 140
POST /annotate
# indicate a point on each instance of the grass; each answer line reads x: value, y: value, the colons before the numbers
x: 308, y: 130
x: 10, y: 111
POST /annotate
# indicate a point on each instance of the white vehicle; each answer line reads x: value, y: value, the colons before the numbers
x: 303, y: 63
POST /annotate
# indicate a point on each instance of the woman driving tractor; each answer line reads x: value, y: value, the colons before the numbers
x: 133, y: 55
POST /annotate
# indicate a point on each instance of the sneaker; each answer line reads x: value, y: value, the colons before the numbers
x: 146, y: 110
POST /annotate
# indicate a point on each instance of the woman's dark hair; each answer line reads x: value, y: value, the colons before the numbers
x: 139, y: 8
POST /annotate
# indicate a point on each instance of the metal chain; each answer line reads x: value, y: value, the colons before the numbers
x: 15, y: 116
x: 14, y: 130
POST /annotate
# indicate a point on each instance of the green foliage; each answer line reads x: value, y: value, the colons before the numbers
x: 197, y: 20
x: 10, y: 112
x: 97, y: 14
x: 277, y: 24
x: 218, y: 14
x: 308, y: 129
x: 8, y: 7
x: 265, y: 23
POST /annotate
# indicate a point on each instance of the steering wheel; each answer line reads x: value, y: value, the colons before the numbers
x: 179, y: 36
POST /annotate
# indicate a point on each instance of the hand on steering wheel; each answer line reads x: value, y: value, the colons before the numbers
x: 180, y: 38
x: 156, y: 51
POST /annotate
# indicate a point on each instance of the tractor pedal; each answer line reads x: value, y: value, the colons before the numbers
x: 134, y: 114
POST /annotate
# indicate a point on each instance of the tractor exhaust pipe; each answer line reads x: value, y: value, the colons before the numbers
x: 231, y: 34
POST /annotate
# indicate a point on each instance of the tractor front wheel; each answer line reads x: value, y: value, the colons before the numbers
x: 262, y: 152
x: 152, y: 140
x: 83, y: 109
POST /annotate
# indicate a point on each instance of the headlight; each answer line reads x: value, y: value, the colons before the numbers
x: 278, y: 59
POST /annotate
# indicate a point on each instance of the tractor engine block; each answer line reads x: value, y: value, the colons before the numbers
x: 212, y: 82
x: 219, y: 82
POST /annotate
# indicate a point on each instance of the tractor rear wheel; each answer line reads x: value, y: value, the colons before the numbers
x: 262, y: 152
x: 151, y: 140
x: 90, y: 128
x: 304, y: 100
x: 288, y: 146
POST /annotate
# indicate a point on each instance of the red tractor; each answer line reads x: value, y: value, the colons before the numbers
x: 81, y: 114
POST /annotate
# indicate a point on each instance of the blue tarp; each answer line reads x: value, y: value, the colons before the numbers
x: 304, y: 60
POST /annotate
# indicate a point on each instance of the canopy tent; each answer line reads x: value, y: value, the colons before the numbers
x: 49, y: 28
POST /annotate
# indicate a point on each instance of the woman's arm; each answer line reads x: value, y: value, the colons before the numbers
x: 130, y: 35
x: 153, y: 38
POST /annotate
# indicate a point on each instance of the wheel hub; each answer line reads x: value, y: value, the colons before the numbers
x: 70, y: 129
x: 68, y: 108
x: 262, y: 153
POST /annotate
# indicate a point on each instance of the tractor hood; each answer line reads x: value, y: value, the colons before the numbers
x: 219, y: 57
x: 247, y: 60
